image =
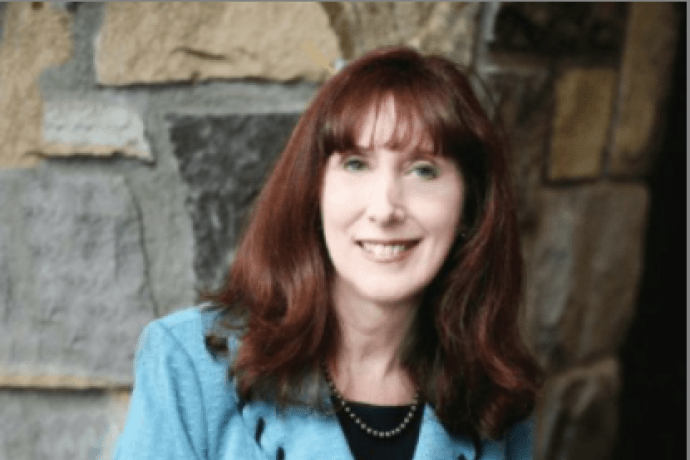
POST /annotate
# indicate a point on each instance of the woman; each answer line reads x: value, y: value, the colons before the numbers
x: 371, y: 310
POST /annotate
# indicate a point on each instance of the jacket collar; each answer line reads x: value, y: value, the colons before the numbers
x: 305, y: 434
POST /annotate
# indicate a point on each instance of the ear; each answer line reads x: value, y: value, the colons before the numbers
x: 461, y: 231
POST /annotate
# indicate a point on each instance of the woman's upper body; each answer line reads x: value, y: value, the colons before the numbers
x: 184, y: 407
x: 384, y: 247
x: 381, y: 262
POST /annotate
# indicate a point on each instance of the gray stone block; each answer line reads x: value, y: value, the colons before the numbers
x: 167, y: 235
x: 78, y: 73
x: 583, y: 277
x: 57, y: 425
x: 74, y: 293
x: 224, y: 160
x: 82, y: 125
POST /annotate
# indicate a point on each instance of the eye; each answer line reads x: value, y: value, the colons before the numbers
x: 354, y: 164
x: 425, y: 170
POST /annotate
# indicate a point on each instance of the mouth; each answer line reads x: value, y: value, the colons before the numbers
x: 387, y: 251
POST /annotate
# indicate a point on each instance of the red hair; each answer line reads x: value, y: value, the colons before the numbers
x: 465, y: 352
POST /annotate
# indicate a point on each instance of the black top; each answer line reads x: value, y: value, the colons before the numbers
x: 367, y: 447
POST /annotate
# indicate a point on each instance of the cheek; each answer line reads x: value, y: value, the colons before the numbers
x: 341, y: 196
x: 444, y: 228
x: 334, y: 196
x: 334, y: 218
x: 439, y: 212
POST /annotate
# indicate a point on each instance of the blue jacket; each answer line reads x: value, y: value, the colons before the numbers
x: 184, y: 407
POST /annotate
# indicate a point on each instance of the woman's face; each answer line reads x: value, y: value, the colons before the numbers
x: 389, y: 217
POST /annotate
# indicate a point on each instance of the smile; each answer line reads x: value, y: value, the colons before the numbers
x: 387, y: 251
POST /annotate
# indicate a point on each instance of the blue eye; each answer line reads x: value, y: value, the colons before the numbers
x: 426, y: 171
x: 354, y: 164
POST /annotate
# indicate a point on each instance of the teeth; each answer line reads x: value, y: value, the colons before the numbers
x: 383, y: 250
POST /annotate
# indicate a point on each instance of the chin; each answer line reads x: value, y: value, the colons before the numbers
x: 391, y: 298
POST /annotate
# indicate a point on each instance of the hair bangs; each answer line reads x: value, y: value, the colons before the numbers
x: 426, y: 119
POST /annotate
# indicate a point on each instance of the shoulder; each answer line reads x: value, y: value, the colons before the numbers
x: 520, y: 439
x: 175, y: 345
x: 184, y: 332
x: 181, y: 328
x: 180, y: 391
x: 515, y: 444
x: 186, y: 325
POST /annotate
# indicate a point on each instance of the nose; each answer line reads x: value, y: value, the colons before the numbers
x: 386, y: 201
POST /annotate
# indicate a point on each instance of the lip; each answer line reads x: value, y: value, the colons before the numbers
x: 410, y: 244
x: 403, y: 241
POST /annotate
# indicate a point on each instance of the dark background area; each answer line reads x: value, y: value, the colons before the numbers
x: 653, y: 423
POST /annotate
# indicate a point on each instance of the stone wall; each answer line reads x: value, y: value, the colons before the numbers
x: 135, y: 136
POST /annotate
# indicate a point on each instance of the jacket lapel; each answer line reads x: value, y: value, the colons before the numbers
x: 295, y: 433
x: 436, y: 444
x: 304, y: 434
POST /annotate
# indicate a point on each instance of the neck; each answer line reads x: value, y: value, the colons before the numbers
x: 367, y: 364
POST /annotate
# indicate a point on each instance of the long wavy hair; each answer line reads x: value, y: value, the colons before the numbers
x: 464, y: 351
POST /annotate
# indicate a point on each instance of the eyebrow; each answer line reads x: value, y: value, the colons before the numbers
x: 410, y: 154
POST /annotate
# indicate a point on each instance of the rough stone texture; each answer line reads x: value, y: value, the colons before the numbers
x: 116, y: 410
x: 74, y: 291
x: 3, y: 7
x: 224, y: 160
x: 446, y: 28
x: 578, y: 413
x: 525, y: 103
x: 584, y: 99
x: 585, y: 270
x: 645, y: 79
x: 78, y: 73
x: 162, y: 192
x: 167, y: 236
x: 198, y: 41
x: 60, y: 425
x: 91, y: 127
x: 562, y: 29
x: 34, y: 37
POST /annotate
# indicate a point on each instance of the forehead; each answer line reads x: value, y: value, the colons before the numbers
x: 384, y: 125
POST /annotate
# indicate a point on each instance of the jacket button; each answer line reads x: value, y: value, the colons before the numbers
x: 280, y: 454
x: 462, y: 457
x: 259, y: 430
x: 240, y: 405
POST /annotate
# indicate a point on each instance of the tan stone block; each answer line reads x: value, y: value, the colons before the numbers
x: 12, y: 378
x: 584, y: 99
x: 34, y: 38
x: 446, y: 28
x: 577, y: 413
x: 582, y: 280
x: 154, y: 42
x: 645, y: 79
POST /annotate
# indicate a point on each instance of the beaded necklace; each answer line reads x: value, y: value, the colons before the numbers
x: 360, y: 423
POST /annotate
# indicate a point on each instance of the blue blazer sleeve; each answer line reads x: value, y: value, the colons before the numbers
x: 166, y: 417
x: 520, y: 440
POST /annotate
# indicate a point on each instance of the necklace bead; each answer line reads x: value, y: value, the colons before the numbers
x: 360, y: 423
